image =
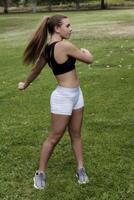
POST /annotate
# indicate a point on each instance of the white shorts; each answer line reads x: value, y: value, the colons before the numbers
x: 64, y: 100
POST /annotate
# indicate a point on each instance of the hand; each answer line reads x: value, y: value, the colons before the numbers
x: 21, y: 85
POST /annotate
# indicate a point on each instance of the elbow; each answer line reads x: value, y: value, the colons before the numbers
x: 34, y: 72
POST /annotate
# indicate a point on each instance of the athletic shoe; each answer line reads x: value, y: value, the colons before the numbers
x: 82, y: 176
x: 39, y: 180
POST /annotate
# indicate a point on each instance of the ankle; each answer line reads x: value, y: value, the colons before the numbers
x: 40, y: 171
x: 80, y: 167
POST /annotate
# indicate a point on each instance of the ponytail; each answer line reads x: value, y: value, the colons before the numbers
x: 36, y: 44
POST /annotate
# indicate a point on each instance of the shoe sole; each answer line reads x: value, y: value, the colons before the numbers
x: 35, y: 186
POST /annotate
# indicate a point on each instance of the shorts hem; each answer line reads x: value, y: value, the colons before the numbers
x: 57, y: 113
x: 78, y: 107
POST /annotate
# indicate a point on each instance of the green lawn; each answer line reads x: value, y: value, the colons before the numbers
x: 108, y: 87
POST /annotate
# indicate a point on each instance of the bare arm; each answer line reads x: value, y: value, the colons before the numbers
x: 80, y: 54
x: 41, y: 62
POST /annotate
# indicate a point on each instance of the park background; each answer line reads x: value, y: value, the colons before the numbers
x: 108, y: 126
x: 19, y: 6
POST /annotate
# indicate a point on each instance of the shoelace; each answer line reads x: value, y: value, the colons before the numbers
x: 41, y: 177
x: 82, y: 174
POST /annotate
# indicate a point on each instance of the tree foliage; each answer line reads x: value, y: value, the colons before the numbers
x: 49, y: 3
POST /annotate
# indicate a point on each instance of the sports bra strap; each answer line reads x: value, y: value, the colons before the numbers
x: 67, y: 66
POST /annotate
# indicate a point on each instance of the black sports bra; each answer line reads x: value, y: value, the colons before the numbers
x: 57, y: 69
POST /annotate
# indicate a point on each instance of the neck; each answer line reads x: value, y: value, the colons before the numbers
x: 55, y: 37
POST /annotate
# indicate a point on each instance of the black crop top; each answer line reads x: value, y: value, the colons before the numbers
x: 57, y: 69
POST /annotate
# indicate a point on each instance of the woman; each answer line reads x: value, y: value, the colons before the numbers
x: 66, y: 100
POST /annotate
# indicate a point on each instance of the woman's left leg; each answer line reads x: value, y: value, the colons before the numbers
x: 74, y: 129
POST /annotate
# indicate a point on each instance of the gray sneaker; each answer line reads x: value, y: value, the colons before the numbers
x: 39, y: 180
x: 82, y: 176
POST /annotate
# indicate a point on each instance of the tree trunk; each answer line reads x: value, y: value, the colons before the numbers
x: 77, y: 4
x: 50, y: 6
x: 103, y: 5
x: 34, y: 6
x: 5, y: 3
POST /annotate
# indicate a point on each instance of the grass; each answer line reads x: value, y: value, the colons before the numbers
x: 108, y: 126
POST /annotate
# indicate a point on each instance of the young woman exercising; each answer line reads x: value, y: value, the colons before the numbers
x: 67, y: 99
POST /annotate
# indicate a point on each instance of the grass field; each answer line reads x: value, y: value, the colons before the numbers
x: 108, y: 87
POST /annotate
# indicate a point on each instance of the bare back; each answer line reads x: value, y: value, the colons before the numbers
x: 68, y: 79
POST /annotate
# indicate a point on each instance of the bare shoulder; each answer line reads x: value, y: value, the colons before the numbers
x: 69, y: 49
x: 66, y: 45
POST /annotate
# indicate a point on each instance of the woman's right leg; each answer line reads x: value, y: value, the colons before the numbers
x: 74, y: 128
x: 58, y: 126
x: 76, y: 141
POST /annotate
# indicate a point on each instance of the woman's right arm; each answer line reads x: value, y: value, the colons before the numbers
x: 39, y: 65
x: 80, y: 54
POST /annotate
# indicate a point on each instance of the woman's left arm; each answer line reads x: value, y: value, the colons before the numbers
x: 39, y: 65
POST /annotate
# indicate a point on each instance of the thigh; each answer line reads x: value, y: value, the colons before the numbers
x: 75, y: 122
x: 59, y: 123
x: 58, y: 126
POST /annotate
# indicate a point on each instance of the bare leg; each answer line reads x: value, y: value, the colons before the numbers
x: 58, y: 126
x: 74, y: 129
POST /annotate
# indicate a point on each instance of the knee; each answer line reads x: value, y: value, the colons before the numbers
x: 75, y: 133
x: 54, y: 138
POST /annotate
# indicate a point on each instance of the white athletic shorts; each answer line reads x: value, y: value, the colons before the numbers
x: 64, y: 100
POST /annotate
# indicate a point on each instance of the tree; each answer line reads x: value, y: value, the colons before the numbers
x: 103, y: 4
x: 34, y: 6
x: 49, y: 5
x: 5, y: 4
x: 77, y: 4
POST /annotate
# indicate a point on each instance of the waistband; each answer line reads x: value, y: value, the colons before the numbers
x: 61, y: 88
